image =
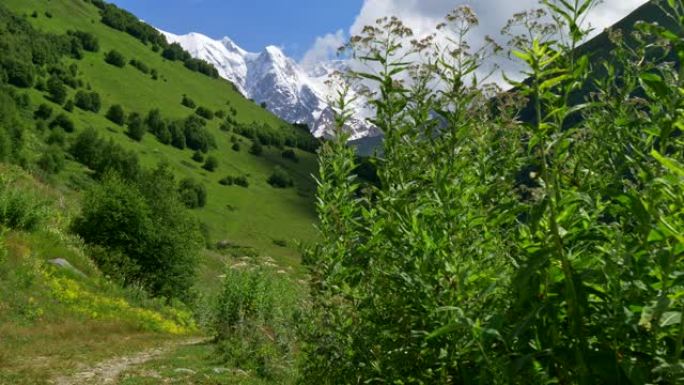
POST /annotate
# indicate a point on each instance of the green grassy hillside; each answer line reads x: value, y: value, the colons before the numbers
x: 253, y: 217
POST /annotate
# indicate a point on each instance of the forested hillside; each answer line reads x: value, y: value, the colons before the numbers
x: 73, y: 66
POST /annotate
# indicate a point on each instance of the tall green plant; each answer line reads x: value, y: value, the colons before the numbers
x: 501, y: 250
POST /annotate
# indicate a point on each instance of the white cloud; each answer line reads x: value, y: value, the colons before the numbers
x: 324, y: 48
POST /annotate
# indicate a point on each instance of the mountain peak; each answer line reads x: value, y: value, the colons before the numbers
x: 294, y: 93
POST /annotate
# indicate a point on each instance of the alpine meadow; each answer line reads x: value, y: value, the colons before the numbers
x: 437, y: 207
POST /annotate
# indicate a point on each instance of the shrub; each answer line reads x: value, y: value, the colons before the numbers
x: 146, y: 223
x: 205, y: 113
x: 280, y: 178
x: 19, y: 74
x: 291, y: 155
x: 56, y: 90
x: 236, y: 147
x: 63, y: 122
x: 210, y: 164
x: 494, y: 237
x: 88, y: 101
x: 197, y: 137
x: 255, y: 315
x: 187, y: 102
x: 116, y: 114
x: 136, y: 129
x: 256, y: 149
x: 43, y: 112
x: 52, y: 161
x: 69, y: 106
x: 193, y: 194
x: 140, y: 66
x: 87, y: 40
x: 104, y: 156
x: 198, y: 157
x: 115, y: 58
x: 20, y: 207
x: 235, y: 180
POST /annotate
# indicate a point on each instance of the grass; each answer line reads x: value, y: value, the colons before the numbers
x: 252, y: 217
x: 192, y: 365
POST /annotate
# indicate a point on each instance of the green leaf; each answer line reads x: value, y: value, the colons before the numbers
x: 655, y: 83
x: 670, y: 318
x: 668, y: 163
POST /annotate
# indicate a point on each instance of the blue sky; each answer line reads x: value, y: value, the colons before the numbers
x: 253, y: 24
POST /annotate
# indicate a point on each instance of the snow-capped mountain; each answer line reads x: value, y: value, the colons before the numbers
x: 295, y: 93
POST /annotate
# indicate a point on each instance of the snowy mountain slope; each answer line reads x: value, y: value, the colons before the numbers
x: 294, y: 93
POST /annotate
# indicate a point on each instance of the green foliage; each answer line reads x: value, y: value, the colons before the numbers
x: 290, y: 154
x: 193, y: 194
x: 140, y: 66
x: 255, y: 319
x: 52, y: 160
x: 280, y: 178
x: 210, y: 164
x: 256, y: 149
x: 187, y: 102
x: 116, y: 114
x: 21, y: 208
x: 88, y: 101
x: 235, y: 147
x: 104, y: 156
x: 115, y: 58
x: 87, y: 40
x: 43, y: 112
x: 136, y: 128
x: 197, y: 137
x: 235, y: 180
x: 145, y: 228
x: 205, y: 113
x: 495, y: 250
x: 198, y: 157
x: 64, y: 122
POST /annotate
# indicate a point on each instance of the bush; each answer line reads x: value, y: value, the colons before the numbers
x: 187, y: 102
x: 116, y: 114
x: 63, y: 122
x: 115, y: 58
x: 256, y: 149
x: 43, y: 112
x: 197, y: 137
x: 87, y: 40
x: 502, y: 247
x: 192, y: 193
x: 146, y: 223
x: 104, y: 156
x: 20, y: 207
x: 52, y: 161
x: 88, y: 101
x: 56, y: 90
x: 136, y: 129
x: 211, y: 164
x: 234, y: 180
x: 140, y: 66
x: 291, y: 155
x: 280, y: 178
x: 19, y: 74
x: 198, y: 157
x: 205, y: 113
x: 255, y: 318
x: 235, y: 147
x: 69, y: 106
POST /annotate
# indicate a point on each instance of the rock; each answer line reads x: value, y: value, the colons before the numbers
x: 221, y: 370
x: 184, y: 371
x: 64, y: 264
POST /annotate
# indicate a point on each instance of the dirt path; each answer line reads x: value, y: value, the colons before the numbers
x: 108, y: 371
